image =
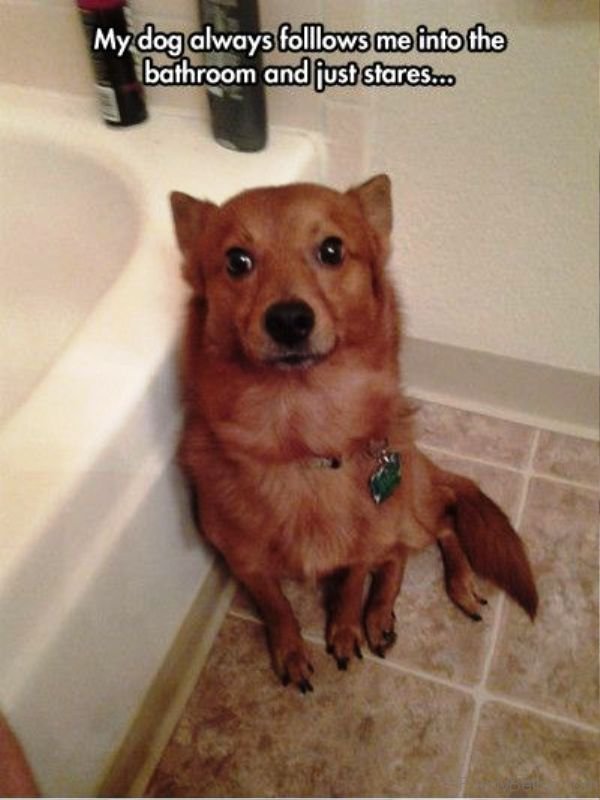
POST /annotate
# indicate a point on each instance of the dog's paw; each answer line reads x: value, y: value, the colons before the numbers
x: 293, y: 666
x: 464, y: 593
x: 344, y: 641
x: 379, y: 627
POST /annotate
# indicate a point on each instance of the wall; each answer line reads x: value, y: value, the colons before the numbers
x: 495, y: 179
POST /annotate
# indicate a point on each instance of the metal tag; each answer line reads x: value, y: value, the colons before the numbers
x: 386, y: 478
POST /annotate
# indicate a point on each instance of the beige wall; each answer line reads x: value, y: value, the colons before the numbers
x: 495, y: 179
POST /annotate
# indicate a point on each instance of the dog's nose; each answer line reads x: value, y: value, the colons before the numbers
x: 289, y: 323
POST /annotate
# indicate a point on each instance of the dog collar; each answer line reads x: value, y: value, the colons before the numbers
x: 322, y: 462
x: 385, y: 478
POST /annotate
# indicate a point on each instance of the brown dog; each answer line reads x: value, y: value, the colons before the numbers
x: 297, y: 439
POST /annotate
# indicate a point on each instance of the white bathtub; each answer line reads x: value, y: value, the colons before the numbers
x: 98, y: 561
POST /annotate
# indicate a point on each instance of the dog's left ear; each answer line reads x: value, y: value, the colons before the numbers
x: 375, y: 198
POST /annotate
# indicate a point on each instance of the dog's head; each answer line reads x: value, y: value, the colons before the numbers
x: 288, y: 274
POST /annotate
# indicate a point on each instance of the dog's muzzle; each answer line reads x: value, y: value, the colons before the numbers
x: 289, y: 323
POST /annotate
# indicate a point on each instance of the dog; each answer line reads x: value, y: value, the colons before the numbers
x: 297, y: 440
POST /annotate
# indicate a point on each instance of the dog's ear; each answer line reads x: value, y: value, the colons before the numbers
x: 190, y: 217
x: 375, y: 198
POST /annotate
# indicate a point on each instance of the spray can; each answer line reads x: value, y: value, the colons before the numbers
x: 120, y: 92
x: 238, y: 113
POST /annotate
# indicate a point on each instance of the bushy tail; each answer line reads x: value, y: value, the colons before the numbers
x: 492, y: 546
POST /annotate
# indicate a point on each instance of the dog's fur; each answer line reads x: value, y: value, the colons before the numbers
x: 261, y: 411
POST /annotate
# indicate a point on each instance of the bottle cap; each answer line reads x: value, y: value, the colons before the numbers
x: 99, y: 5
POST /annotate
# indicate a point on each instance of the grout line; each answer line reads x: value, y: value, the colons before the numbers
x: 479, y: 696
x: 246, y: 616
x: 479, y: 693
x: 533, y: 473
x: 589, y: 487
x: 528, y: 475
x: 520, y: 705
x: 316, y: 639
x: 415, y: 672
x: 474, y: 459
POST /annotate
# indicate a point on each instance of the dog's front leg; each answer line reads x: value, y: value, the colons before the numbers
x: 379, y: 615
x: 288, y: 651
x: 344, y: 630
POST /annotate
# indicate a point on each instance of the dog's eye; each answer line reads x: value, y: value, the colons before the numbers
x: 331, y: 251
x: 239, y: 262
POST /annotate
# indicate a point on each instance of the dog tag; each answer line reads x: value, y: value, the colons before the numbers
x: 386, y: 478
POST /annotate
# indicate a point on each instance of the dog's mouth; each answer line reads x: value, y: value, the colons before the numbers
x: 291, y: 337
x: 296, y: 360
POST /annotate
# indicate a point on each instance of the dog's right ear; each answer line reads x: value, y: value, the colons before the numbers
x: 189, y: 217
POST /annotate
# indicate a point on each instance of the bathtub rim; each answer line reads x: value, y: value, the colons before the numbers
x: 44, y: 441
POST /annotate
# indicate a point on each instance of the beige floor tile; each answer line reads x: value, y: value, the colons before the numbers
x: 475, y: 435
x: 518, y: 754
x: 504, y: 486
x: 377, y: 731
x: 371, y: 731
x: 553, y: 663
x: 433, y: 634
x: 568, y: 457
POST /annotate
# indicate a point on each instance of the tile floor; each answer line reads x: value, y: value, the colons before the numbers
x: 498, y: 708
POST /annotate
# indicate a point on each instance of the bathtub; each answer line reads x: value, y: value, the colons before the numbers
x: 99, y: 563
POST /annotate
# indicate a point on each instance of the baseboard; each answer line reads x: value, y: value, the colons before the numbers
x: 163, y: 705
x: 556, y: 399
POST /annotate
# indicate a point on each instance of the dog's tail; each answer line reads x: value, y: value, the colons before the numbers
x: 492, y: 546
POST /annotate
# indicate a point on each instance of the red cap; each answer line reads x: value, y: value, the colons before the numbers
x: 99, y: 5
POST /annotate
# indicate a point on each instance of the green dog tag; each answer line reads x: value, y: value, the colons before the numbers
x: 386, y: 477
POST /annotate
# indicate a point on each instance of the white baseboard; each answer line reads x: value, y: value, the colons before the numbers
x: 165, y: 701
x: 535, y: 394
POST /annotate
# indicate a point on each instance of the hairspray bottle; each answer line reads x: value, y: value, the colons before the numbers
x: 238, y: 113
x: 119, y: 89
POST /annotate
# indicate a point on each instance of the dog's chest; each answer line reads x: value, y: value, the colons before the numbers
x: 307, y: 419
x: 320, y: 518
x: 301, y: 517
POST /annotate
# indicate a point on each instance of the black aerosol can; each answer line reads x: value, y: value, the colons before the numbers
x: 120, y: 92
x: 238, y: 113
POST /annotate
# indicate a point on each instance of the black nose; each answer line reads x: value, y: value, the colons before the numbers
x: 289, y: 323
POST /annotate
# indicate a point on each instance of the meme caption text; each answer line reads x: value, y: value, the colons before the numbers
x: 231, y: 53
